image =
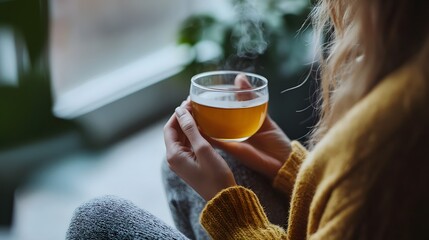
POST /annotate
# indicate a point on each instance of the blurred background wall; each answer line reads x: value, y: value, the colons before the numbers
x: 86, y: 85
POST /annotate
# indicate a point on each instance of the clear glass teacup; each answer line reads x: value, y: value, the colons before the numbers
x: 229, y: 105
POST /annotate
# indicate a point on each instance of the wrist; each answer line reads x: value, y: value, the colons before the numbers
x: 228, y: 182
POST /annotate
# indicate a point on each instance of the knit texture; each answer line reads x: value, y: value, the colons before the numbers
x: 111, y: 217
x: 235, y: 213
x: 330, y: 186
x: 330, y: 183
x: 286, y: 176
x: 186, y: 205
x: 241, y: 206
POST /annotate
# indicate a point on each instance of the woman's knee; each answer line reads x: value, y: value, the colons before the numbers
x: 98, y: 217
x: 111, y: 217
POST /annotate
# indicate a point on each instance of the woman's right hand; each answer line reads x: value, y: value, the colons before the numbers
x: 264, y: 152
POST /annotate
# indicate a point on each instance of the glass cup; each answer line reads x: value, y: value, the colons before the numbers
x: 229, y: 105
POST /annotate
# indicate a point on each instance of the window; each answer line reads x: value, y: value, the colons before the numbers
x: 103, y: 50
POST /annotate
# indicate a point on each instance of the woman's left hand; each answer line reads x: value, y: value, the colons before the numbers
x: 192, y: 157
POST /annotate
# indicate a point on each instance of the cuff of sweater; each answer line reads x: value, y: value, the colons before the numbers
x: 233, y: 212
x: 286, y: 176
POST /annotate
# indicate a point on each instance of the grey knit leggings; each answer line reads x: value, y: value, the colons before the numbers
x: 111, y: 217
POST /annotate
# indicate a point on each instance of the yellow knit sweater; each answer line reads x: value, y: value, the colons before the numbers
x: 328, y: 184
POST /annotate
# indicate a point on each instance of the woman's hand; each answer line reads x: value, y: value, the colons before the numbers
x: 192, y: 157
x: 264, y: 152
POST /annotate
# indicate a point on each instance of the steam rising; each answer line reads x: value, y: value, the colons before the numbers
x: 247, y: 35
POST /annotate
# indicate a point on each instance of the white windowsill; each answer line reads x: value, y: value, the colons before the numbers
x: 104, y: 89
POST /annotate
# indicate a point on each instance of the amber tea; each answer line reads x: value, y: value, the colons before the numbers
x: 229, y: 105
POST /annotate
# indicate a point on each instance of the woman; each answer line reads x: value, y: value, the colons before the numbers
x: 367, y: 175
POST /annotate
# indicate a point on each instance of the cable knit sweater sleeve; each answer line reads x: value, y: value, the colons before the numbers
x: 240, y: 208
x: 286, y: 176
x: 235, y: 213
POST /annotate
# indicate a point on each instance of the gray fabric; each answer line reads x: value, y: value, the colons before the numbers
x: 186, y: 205
x: 114, y: 218
x: 110, y: 217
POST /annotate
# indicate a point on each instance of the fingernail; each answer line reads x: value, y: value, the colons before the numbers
x: 180, y: 111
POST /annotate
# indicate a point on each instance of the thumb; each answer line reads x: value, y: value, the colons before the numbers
x: 242, y: 82
x: 189, y: 127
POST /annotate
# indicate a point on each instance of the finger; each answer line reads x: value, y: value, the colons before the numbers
x: 187, y: 104
x: 178, y: 155
x: 189, y: 127
x: 171, y: 134
x: 242, y: 82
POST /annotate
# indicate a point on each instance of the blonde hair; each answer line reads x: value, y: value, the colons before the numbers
x: 368, y: 39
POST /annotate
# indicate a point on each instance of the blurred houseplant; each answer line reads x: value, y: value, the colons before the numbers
x: 26, y: 118
x: 271, y: 38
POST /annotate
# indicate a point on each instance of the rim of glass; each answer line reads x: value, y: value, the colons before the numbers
x: 205, y: 74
